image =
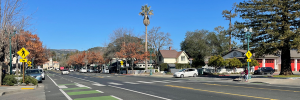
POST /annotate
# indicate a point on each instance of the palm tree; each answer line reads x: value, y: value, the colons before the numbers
x: 146, y: 12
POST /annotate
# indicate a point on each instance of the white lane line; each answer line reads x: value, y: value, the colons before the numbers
x: 68, y: 97
x: 131, y: 83
x: 100, y: 91
x: 114, y: 83
x: 144, y: 82
x: 161, y: 81
x: 116, y: 97
x: 140, y: 92
x: 52, y: 80
x: 62, y: 86
x: 99, y: 84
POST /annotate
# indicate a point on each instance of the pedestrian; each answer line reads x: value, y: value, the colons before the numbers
x: 246, y: 74
x: 3, y: 74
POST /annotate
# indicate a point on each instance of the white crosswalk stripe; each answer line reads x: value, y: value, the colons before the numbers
x: 131, y: 83
x: 114, y: 83
x: 144, y: 82
x: 99, y: 84
x: 161, y: 81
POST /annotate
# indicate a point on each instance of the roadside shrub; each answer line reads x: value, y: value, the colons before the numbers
x: 29, y: 79
x: 156, y: 70
x: 10, y: 80
x: 169, y: 73
x: 181, y: 66
x: 164, y: 67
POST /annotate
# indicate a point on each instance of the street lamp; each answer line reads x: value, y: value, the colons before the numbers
x: 151, y: 65
x: 248, y: 35
x: 191, y: 59
x: 10, y: 35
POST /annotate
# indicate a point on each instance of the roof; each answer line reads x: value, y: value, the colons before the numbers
x: 169, y: 53
x: 178, y: 54
x: 294, y: 53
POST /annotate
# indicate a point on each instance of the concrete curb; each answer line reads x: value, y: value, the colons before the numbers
x: 19, y: 89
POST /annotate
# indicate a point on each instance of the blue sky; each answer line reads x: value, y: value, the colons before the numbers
x: 83, y: 24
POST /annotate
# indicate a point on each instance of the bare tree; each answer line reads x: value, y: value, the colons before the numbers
x: 159, y: 40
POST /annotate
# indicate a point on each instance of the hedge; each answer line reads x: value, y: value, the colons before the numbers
x: 163, y: 67
x: 182, y: 66
x: 10, y: 80
x: 29, y: 79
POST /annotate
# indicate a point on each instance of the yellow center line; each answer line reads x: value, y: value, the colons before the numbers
x: 250, y: 87
x: 220, y: 92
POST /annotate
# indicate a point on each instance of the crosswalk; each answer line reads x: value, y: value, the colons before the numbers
x: 139, y: 82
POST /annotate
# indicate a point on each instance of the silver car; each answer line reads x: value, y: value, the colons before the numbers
x: 34, y: 73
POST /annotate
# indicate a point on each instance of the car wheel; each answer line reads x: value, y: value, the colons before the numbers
x: 43, y: 79
x: 195, y: 75
x: 181, y: 76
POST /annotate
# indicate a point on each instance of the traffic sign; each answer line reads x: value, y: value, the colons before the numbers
x: 248, y: 54
x: 29, y: 62
x: 23, y: 60
x: 121, y: 62
x: 248, y: 60
x: 29, y: 65
x: 122, y: 66
x: 23, y: 53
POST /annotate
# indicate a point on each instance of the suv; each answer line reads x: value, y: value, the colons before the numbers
x: 265, y: 70
x: 186, y: 73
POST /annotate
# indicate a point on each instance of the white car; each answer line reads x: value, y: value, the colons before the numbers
x: 83, y: 70
x: 71, y: 70
x: 186, y: 73
x: 106, y: 71
x: 64, y: 71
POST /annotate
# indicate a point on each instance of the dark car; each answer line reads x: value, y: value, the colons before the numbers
x: 36, y: 73
x: 264, y: 70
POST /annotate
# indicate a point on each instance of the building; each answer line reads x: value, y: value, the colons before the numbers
x: 171, y: 57
x: 51, y: 64
x: 273, y: 61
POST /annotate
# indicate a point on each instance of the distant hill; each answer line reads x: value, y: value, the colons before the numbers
x: 97, y: 49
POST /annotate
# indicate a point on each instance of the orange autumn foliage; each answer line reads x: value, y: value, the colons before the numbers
x: 31, y: 42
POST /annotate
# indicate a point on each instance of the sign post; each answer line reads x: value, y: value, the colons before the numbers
x: 23, y: 53
x: 249, y: 54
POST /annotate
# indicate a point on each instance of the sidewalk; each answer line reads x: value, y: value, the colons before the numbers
x: 13, y: 89
x: 294, y: 82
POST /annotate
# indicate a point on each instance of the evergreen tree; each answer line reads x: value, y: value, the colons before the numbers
x: 275, y: 28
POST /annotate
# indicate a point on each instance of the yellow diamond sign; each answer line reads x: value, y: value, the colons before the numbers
x: 121, y: 62
x: 248, y: 54
x: 29, y: 62
x: 23, y: 53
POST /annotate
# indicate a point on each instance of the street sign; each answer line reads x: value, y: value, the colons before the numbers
x: 121, y: 62
x: 23, y: 60
x: 127, y: 65
x: 122, y: 65
x: 29, y: 62
x: 23, y: 53
x: 248, y: 54
x: 248, y: 60
x: 29, y: 65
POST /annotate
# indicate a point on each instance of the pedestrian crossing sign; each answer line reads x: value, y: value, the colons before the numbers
x: 23, y: 53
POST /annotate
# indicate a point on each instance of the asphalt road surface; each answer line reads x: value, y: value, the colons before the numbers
x: 96, y: 86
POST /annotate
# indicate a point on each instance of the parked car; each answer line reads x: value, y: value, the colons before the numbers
x: 90, y: 71
x: 71, y: 70
x: 34, y: 73
x: 106, y: 71
x: 186, y: 73
x: 83, y: 70
x: 43, y: 73
x: 64, y: 71
x: 96, y: 71
x: 264, y: 70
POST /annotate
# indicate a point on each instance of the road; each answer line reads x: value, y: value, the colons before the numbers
x: 95, y: 86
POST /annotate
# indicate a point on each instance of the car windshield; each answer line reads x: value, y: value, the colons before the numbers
x: 182, y: 70
x: 32, y: 71
x: 65, y: 70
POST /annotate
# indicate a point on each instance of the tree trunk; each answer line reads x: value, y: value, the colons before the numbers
x: 146, y: 47
x: 0, y: 73
x: 286, y: 60
x: 132, y: 66
x: 17, y: 65
x: 229, y: 35
x: 126, y: 67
